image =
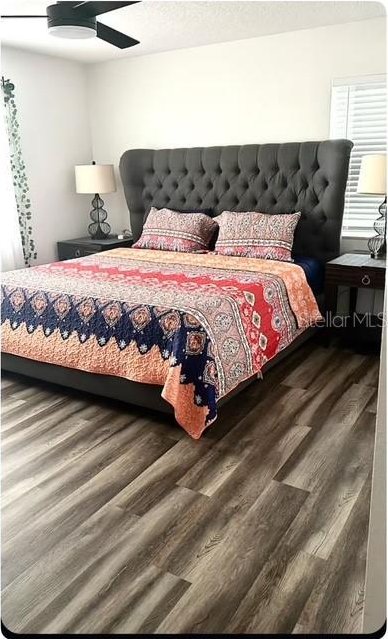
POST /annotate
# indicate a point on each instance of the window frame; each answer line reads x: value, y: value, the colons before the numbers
x: 348, y: 231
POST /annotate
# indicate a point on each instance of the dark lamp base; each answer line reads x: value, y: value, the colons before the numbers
x: 377, y: 244
x: 99, y: 234
x: 99, y: 229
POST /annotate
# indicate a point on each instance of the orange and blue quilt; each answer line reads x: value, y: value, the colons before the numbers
x: 195, y: 324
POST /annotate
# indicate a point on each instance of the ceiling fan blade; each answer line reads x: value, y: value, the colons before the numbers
x: 19, y: 16
x: 91, y: 9
x: 114, y: 37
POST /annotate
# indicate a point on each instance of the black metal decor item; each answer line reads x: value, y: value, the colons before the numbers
x: 99, y: 229
x: 377, y: 244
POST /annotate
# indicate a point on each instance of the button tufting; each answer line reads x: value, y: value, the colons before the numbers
x: 280, y: 183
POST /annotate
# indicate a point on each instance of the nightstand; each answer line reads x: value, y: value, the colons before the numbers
x: 355, y: 270
x: 70, y: 249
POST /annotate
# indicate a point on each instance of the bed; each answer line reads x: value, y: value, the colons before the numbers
x: 180, y: 331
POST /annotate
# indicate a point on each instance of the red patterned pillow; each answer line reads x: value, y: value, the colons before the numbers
x: 168, y: 230
x: 261, y: 235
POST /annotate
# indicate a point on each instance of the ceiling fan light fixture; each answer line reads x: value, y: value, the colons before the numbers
x: 72, y: 31
x: 76, y: 20
x: 64, y: 22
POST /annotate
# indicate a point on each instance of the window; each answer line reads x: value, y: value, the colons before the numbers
x: 358, y: 113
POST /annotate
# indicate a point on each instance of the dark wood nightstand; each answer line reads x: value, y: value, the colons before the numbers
x: 355, y: 270
x: 70, y: 249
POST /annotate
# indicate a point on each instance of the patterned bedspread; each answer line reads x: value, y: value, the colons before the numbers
x: 198, y: 325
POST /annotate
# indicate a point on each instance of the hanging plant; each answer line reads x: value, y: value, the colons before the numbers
x: 18, y: 168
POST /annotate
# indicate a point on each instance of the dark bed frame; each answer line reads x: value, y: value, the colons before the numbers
x: 274, y: 178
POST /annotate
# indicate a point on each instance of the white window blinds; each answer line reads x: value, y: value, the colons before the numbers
x: 358, y: 113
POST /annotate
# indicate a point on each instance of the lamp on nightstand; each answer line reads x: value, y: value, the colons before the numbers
x: 96, y: 178
x: 372, y: 181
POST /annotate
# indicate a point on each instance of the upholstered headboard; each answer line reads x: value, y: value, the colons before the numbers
x: 273, y: 178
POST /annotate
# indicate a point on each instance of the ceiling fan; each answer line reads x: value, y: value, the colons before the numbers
x: 78, y: 20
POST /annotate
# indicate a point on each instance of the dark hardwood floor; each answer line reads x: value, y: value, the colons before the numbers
x: 114, y: 521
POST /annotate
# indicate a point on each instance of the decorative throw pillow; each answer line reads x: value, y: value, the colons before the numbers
x: 168, y: 230
x: 261, y: 235
x: 204, y: 211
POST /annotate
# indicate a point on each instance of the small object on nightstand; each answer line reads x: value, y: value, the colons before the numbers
x: 125, y: 234
x: 71, y: 249
x: 372, y: 181
x: 355, y: 270
x: 96, y: 178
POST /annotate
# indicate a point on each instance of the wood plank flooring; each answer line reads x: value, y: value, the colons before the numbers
x: 114, y: 521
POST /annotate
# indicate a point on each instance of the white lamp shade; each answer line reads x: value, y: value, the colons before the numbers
x: 373, y: 178
x: 95, y: 178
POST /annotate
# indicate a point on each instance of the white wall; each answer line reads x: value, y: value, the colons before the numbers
x: 376, y: 571
x: 267, y: 89
x: 51, y: 96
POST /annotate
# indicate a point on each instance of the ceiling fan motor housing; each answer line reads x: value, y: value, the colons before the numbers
x: 63, y: 14
x: 73, y: 19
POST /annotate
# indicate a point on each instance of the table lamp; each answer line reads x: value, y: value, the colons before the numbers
x: 372, y: 181
x: 96, y: 178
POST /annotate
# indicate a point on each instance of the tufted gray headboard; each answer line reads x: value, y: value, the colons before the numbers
x: 273, y: 178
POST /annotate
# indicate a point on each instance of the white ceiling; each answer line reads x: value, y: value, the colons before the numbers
x: 167, y: 25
